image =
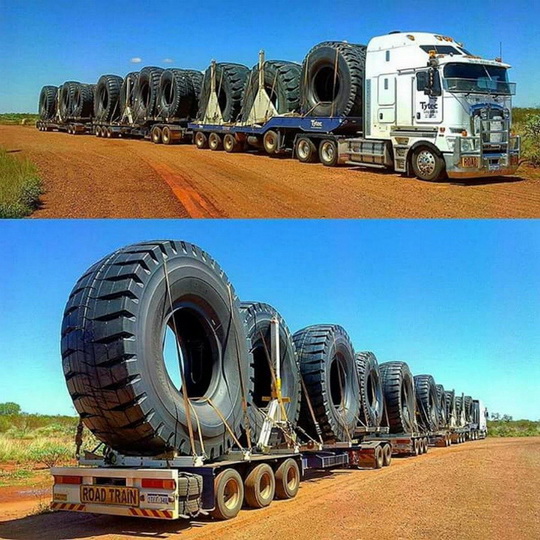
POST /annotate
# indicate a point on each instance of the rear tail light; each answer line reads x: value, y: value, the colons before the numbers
x: 158, y: 483
x: 68, y: 479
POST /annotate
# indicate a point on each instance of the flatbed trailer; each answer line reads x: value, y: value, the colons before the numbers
x: 156, y: 131
x: 78, y: 126
x: 408, y: 444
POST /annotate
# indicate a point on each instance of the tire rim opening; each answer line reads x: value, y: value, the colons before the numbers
x: 263, y: 376
x: 145, y: 94
x: 167, y: 93
x: 326, y: 85
x: 222, y: 99
x: 104, y: 98
x: 337, y: 382
x: 198, y: 350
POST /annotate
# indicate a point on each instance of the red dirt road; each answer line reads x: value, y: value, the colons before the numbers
x: 87, y: 177
x: 483, y: 489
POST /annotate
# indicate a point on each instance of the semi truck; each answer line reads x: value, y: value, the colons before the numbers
x: 252, y: 410
x: 416, y: 103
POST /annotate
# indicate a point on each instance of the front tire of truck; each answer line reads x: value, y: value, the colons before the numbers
x: 229, y: 494
x: 427, y: 164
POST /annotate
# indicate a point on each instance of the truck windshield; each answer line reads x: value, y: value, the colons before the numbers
x: 477, y: 79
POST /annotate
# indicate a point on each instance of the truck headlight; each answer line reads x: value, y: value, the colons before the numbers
x: 451, y: 142
x: 506, y: 114
x: 467, y: 145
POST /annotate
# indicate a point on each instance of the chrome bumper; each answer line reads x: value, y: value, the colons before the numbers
x: 470, y: 161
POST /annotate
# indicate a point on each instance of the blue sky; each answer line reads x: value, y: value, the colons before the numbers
x: 49, y: 42
x: 456, y: 299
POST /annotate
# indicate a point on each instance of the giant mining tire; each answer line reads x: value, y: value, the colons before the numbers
x: 328, y: 369
x: 176, y: 94
x: 450, y: 398
x: 67, y: 93
x: 107, y: 98
x: 257, y: 320
x: 398, y: 390
x: 129, y: 83
x: 113, y: 338
x: 146, y: 93
x: 333, y: 79
x: 196, y: 81
x: 426, y: 401
x: 442, y: 406
x: 47, y: 102
x: 468, y: 404
x: 371, y: 394
x: 281, y: 82
x: 83, y: 101
x: 230, y: 84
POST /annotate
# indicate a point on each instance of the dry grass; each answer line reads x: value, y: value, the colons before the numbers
x: 20, y: 186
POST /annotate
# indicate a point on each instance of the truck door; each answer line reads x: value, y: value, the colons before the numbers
x: 386, y: 97
x: 428, y: 109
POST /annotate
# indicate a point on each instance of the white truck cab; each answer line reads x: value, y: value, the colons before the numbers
x: 438, y: 107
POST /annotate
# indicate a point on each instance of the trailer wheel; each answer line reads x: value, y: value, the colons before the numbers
x: 425, y: 446
x: 387, y: 455
x: 166, y: 137
x: 305, y: 150
x: 231, y: 143
x: 156, y: 135
x: 201, y: 140
x: 109, y: 133
x: 287, y: 479
x: 416, y: 447
x: 379, y: 457
x: 427, y: 164
x: 328, y: 153
x: 215, y: 142
x: 229, y: 494
x: 271, y: 142
x: 260, y: 486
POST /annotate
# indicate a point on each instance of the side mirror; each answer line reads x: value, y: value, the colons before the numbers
x: 422, y: 81
x: 429, y: 82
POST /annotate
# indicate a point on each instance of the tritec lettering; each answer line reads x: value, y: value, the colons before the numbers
x: 429, y: 106
x: 316, y: 124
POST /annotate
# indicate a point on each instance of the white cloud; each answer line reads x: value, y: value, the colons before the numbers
x: 168, y: 61
x: 136, y: 60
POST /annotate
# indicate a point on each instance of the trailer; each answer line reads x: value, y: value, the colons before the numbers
x: 76, y: 126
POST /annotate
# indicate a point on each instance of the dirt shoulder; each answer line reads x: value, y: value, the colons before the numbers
x: 89, y: 177
x: 482, y: 489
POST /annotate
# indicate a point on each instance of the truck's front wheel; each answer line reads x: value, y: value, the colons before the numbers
x: 427, y: 164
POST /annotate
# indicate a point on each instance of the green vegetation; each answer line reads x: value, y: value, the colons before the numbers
x: 27, y: 119
x: 505, y: 426
x: 20, y: 186
x: 526, y: 122
x: 34, y: 440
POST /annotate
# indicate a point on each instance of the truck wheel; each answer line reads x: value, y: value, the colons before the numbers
x: 387, y: 455
x: 287, y: 479
x: 260, y: 486
x: 110, y: 133
x: 425, y: 446
x: 379, y: 457
x: 427, y: 164
x: 305, y: 150
x: 119, y: 317
x: 156, y: 135
x: 201, y: 140
x: 271, y: 142
x: 328, y: 369
x: 416, y: 447
x: 328, y: 153
x: 215, y: 142
x: 229, y: 494
x: 231, y: 143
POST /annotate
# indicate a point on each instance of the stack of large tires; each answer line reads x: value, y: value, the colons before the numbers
x: 370, y: 390
x: 333, y: 79
x: 76, y: 101
x: 399, y: 395
x: 146, y: 92
x: 428, y: 413
x: 178, y: 94
x: 230, y: 85
x: 107, y: 99
x: 281, y: 83
x: 47, y: 102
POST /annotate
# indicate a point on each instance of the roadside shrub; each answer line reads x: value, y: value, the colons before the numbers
x: 51, y: 454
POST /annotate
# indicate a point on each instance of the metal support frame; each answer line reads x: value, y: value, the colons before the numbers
x: 213, y: 113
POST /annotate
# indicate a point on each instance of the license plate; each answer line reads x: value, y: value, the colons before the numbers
x: 115, y: 495
x: 494, y: 166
